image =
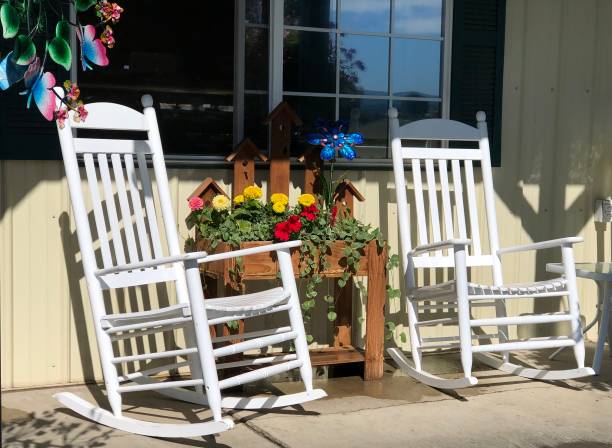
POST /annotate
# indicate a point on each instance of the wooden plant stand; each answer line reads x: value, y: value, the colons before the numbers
x: 263, y: 266
x: 372, y: 264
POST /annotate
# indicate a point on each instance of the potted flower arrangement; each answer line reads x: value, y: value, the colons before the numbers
x: 333, y: 244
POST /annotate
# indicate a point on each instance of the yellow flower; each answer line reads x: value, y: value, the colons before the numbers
x: 279, y: 197
x: 279, y: 207
x: 238, y: 199
x: 220, y: 202
x: 252, y: 192
x: 306, y: 200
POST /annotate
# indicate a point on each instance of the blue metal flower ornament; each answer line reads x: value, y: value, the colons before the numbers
x: 335, y: 140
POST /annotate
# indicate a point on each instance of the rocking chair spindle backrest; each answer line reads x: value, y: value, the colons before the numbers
x: 124, y: 206
x: 453, y: 211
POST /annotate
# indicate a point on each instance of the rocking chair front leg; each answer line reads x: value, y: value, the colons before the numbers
x: 204, y: 341
x: 295, y: 316
x: 463, y: 310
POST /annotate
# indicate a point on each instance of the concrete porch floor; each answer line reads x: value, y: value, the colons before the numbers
x: 501, y: 411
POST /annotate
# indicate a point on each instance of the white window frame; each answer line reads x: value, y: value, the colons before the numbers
x: 275, y: 90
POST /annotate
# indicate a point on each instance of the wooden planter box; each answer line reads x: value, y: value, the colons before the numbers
x: 264, y: 266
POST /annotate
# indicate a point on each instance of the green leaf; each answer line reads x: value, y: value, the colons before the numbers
x: 62, y: 29
x: 403, y: 337
x: 24, y: 51
x: 59, y: 50
x: 84, y: 5
x: 331, y: 316
x: 328, y: 298
x: 341, y: 282
x: 10, y: 21
x: 309, y: 338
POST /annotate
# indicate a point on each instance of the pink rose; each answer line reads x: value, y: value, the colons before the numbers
x: 196, y: 203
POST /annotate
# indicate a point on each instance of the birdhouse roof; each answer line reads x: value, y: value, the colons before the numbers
x: 347, y: 185
x: 284, y: 109
x: 207, y: 184
x: 246, y: 149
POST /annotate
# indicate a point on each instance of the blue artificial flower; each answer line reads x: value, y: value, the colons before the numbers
x: 347, y: 152
x: 334, y: 137
x: 328, y: 152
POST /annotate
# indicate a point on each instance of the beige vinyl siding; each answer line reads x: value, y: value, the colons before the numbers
x: 557, y: 159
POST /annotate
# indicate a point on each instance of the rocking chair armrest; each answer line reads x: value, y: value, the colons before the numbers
x: 541, y: 245
x: 151, y: 263
x: 439, y: 245
x: 249, y: 251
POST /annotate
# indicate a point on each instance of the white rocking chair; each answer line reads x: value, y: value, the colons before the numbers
x: 441, y: 247
x: 142, y: 262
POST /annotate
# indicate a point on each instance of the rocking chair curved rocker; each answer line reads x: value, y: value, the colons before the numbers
x: 133, y: 255
x: 447, y: 241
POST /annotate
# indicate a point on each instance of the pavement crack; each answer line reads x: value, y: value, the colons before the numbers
x: 259, y: 431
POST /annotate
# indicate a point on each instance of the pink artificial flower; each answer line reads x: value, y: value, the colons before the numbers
x: 73, y: 92
x: 109, y: 11
x: 107, y: 37
x: 82, y: 113
x: 196, y: 203
x: 61, y: 115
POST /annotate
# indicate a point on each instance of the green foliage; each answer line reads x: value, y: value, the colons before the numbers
x: 9, y: 17
x: 62, y: 29
x: 24, y: 50
x: 254, y: 220
x: 59, y: 50
x: 84, y: 5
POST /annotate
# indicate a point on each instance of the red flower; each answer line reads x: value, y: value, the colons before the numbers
x: 281, y: 231
x: 294, y: 224
x: 310, y: 212
x: 334, y: 213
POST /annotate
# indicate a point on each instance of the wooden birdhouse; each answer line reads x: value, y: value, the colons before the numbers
x: 313, y: 167
x: 243, y: 157
x: 281, y: 121
x: 344, y: 197
x: 207, y: 190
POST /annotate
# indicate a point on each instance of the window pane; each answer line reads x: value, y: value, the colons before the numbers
x: 365, y: 15
x: 255, y: 112
x: 309, y: 62
x: 257, y: 11
x: 313, y: 13
x: 309, y: 109
x: 256, y: 59
x: 194, y: 104
x: 416, y: 68
x: 364, y: 65
x: 418, y: 17
x: 417, y: 110
x: 368, y: 117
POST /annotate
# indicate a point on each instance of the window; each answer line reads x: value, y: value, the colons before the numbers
x: 351, y: 60
x: 217, y: 71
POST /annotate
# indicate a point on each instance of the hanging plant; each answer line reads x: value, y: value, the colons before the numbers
x: 28, y: 22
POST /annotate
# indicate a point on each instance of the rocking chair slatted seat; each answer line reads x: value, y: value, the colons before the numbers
x: 125, y: 207
x: 450, y: 237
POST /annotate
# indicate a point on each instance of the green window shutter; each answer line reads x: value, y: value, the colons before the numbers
x: 477, y: 65
x: 24, y: 133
